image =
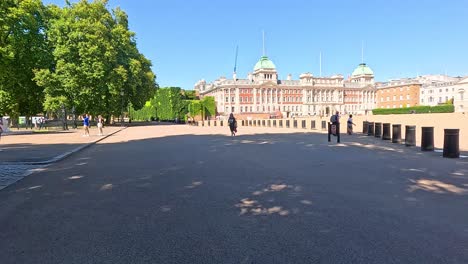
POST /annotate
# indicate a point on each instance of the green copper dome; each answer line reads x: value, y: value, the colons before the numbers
x: 362, y: 69
x: 264, y: 63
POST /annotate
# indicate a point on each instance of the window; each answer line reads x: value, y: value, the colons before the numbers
x: 233, y: 108
x: 401, y: 97
x: 407, y: 96
x: 388, y: 98
x: 394, y: 98
x: 250, y: 109
x: 440, y: 99
x: 232, y: 100
x: 422, y: 101
x: 408, y: 105
x: 240, y: 100
x: 227, y: 99
x: 242, y: 109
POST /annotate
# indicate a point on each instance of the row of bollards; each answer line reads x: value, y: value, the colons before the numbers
x: 379, y: 130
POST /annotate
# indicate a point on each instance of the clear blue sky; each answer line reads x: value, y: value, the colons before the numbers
x: 190, y: 40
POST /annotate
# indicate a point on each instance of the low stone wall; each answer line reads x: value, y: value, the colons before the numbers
x: 438, y: 121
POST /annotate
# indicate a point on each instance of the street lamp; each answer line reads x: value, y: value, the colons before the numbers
x: 121, y: 107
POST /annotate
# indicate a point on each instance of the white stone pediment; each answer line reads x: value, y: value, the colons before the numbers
x: 269, y: 83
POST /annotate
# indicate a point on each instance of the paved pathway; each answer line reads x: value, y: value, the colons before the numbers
x: 161, y: 195
x: 43, y: 146
x: 24, y: 153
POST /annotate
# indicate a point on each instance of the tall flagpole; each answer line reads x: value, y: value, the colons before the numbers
x: 235, y: 61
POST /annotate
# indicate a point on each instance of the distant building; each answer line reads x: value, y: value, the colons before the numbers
x: 264, y: 92
x: 461, y: 98
x: 398, y: 93
x: 438, y: 90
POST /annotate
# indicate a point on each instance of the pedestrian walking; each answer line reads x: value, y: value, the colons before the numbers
x: 100, y: 125
x: 232, y: 124
x: 86, y: 125
x: 350, y: 125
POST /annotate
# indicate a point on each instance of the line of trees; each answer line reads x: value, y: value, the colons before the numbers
x: 170, y: 103
x: 82, y: 58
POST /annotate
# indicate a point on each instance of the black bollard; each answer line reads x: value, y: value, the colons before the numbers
x: 242, y: 123
x: 312, y: 124
x: 386, y: 131
x: 396, y: 133
x: 280, y: 123
x: 221, y: 123
x: 274, y: 123
x: 451, y: 143
x: 295, y: 123
x: 365, y: 127
x: 370, y: 129
x: 324, y: 125
x: 378, y: 130
x: 337, y: 132
x: 287, y: 123
x: 427, y: 138
x: 410, y: 136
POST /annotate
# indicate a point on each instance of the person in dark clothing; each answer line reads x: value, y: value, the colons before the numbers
x: 232, y: 124
x: 334, y: 127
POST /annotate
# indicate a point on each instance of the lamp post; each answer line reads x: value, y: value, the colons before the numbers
x: 121, y: 107
x: 64, y: 117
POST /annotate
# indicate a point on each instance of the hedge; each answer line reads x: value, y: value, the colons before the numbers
x: 448, y: 108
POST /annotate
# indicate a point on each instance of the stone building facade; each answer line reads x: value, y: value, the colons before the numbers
x: 264, y: 92
x: 398, y: 93
x: 438, y: 91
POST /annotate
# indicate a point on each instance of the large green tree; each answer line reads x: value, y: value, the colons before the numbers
x: 98, y: 68
x: 23, y: 47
